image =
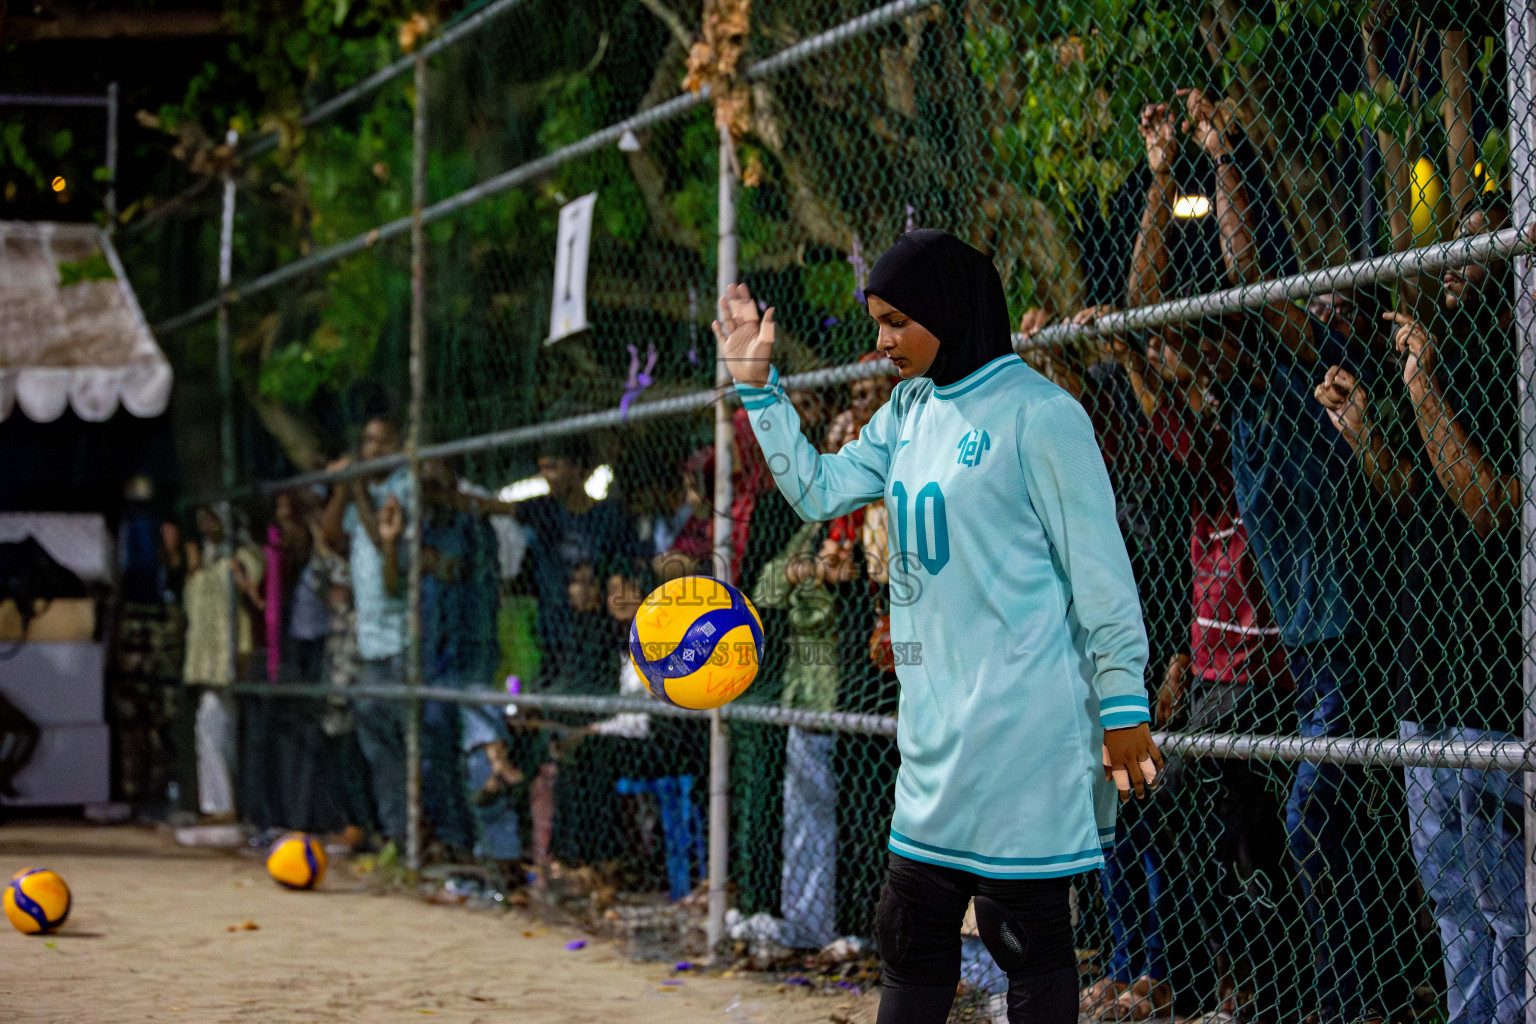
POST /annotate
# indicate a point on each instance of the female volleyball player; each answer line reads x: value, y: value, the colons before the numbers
x: 1011, y: 578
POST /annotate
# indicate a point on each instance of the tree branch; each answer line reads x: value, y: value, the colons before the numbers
x: 670, y: 19
x: 1456, y: 111
x: 648, y: 174
x: 118, y: 25
x: 300, y: 442
x: 1296, y: 171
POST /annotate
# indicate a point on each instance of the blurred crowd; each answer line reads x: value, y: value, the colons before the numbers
x: 535, y: 595
x: 1349, y: 548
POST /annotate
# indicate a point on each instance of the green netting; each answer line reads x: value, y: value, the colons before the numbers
x: 1320, y: 508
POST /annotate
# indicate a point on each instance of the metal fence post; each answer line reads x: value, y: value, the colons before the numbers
x: 1519, y: 31
x: 111, y: 198
x: 719, y: 736
x: 413, y: 451
x: 226, y: 396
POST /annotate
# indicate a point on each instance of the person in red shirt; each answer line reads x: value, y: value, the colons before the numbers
x: 1233, y: 678
x: 692, y: 550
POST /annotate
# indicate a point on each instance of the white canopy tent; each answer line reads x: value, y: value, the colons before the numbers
x: 71, y: 331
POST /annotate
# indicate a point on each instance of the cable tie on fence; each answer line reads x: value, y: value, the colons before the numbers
x: 639, y: 379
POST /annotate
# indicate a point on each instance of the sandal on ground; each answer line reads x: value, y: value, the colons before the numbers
x: 1144, y: 999
x: 1100, y: 996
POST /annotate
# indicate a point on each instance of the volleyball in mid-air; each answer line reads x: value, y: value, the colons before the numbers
x: 36, y: 901
x: 696, y: 642
x: 297, y: 861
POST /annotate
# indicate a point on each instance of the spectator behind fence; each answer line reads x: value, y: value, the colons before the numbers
x: 1293, y: 485
x: 1230, y: 642
x: 369, y: 517
x: 307, y: 618
x: 1228, y: 680
x: 341, y: 786
x: 593, y: 656
x: 284, y: 742
x: 571, y: 536
x: 692, y: 547
x: 147, y: 656
x: 213, y: 582
x: 1439, y: 449
x: 567, y: 528
x: 459, y: 646
x: 470, y: 796
x: 805, y: 580
x: 649, y: 770
x: 672, y: 508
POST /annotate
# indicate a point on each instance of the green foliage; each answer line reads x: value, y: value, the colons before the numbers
x: 828, y: 287
x: 286, y: 54
x: 574, y: 107
x: 696, y: 192
x: 59, y: 143
x: 1082, y: 77
x: 1495, y: 156
x: 1375, y: 112
x: 20, y: 152
x: 13, y: 152
x: 365, y: 297
x: 93, y: 268
x: 323, y: 185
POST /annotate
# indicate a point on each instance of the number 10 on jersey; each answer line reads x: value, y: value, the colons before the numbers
x: 932, y: 546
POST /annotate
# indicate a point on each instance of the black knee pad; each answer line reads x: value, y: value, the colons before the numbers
x: 1025, y: 947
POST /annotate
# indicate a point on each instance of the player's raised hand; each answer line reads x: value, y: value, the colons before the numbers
x: 746, y: 341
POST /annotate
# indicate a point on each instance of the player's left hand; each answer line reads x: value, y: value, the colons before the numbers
x: 1132, y: 760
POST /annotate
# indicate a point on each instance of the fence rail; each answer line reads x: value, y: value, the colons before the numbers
x: 1375, y: 752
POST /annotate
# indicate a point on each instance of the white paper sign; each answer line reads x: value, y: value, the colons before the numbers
x: 568, y: 313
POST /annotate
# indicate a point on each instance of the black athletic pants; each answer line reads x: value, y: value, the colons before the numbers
x: 1026, y: 924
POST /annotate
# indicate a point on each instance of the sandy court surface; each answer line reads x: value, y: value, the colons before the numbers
x: 148, y: 940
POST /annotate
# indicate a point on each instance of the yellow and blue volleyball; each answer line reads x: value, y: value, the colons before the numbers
x: 36, y: 901
x: 297, y: 861
x: 696, y: 642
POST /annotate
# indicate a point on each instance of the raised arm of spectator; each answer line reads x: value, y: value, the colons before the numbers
x: 1144, y: 384
x: 1488, y: 498
x: 484, y: 506
x: 366, y: 513
x: 1151, y: 264
x: 1348, y: 405
x: 335, y: 512
x: 387, y: 528
x: 1235, y: 220
x: 1150, y: 258
x: 247, y: 577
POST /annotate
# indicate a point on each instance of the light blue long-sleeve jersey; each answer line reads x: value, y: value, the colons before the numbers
x: 1012, y: 594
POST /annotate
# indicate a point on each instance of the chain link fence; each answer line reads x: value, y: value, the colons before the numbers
x: 1274, y: 249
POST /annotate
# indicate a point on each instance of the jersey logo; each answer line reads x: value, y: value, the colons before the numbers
x: 902, y: 444
x: 971, y: 446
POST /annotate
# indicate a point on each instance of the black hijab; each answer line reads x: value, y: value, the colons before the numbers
x: 952, y: 290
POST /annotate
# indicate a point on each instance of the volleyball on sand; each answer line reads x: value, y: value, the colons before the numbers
x: 36, y: 901
x: 297, y: 861
x: 697, y: 642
